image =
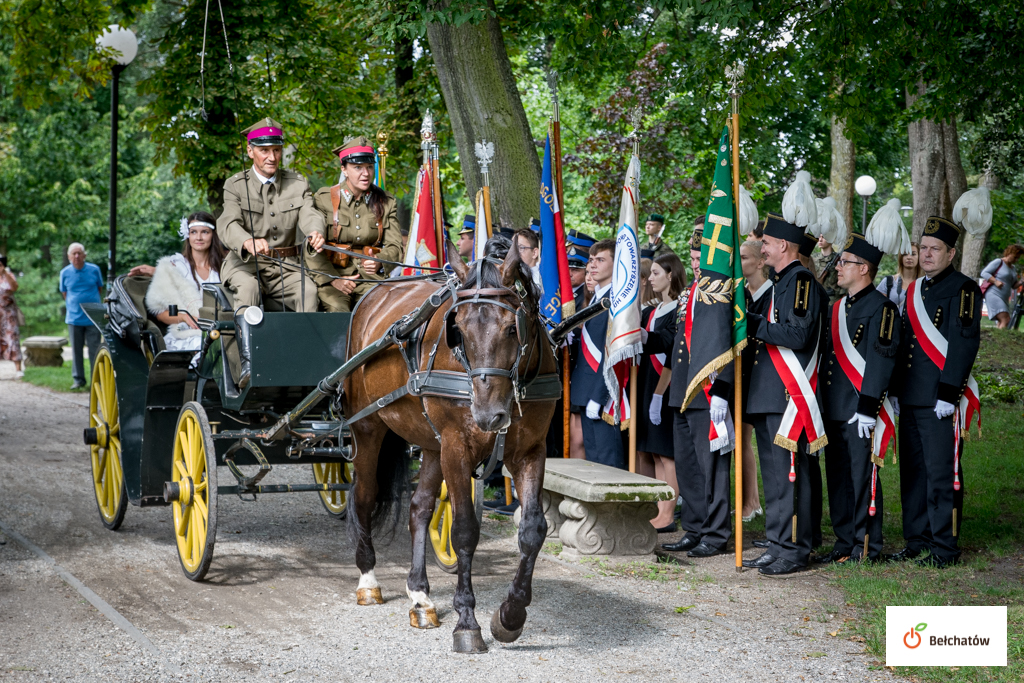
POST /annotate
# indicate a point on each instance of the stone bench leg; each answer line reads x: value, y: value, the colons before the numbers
x: 36, y: 357
x: 549, y: 503
x: 618, y: 529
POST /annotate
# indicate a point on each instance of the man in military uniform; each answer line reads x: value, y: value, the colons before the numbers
x: 465, y: 243
x: 361, y: 218
x: 782, y: 407
x: 654, y: 228
x: 860, y: 349
x: 941, y: 332
x: 268, y: 212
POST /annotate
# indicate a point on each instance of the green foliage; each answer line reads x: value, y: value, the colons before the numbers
x: 57, y: 379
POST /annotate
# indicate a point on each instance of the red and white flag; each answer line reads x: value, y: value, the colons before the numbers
x: 423, y: 248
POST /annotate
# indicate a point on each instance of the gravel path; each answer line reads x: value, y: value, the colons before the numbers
x: 279, y: 602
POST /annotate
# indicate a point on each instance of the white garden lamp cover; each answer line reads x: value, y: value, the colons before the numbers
x: 122, y: 40
x: 865, y: 186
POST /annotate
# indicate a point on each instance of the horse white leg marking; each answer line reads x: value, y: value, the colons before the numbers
x: 419, y: 598
x: 368, y: 580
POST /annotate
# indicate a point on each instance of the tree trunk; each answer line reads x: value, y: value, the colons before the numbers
x: 407, y: 112
x: 927, y: 166
x: 975, y: 246
x: 844, y: 161
x: 483, y: 103
x: 956, y: 179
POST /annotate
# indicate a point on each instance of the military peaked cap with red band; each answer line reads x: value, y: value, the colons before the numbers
x: 265, y: 133
x: 356, y: 150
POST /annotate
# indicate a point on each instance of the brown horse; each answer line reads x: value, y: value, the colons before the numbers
x: 497, y: 340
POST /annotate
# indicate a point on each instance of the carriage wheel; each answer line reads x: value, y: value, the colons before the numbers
x: 194, y: 471
x: 107, y: 476
x: 335, y: 502
x: 441, y: 525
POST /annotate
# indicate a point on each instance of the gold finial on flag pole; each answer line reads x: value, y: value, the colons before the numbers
x: 382, y: 153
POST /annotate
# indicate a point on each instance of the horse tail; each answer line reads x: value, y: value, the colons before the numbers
x: 392, y: 485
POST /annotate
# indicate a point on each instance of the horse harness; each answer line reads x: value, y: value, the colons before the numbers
x: 459, y: 385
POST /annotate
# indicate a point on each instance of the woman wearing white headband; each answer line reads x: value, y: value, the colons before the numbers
x: 178, y: 280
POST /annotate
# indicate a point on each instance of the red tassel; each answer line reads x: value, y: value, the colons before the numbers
x: 792, y: 466
x: 956, y: 450
x: 874, y: 479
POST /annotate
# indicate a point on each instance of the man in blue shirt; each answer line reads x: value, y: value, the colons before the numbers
x: 81, y: 283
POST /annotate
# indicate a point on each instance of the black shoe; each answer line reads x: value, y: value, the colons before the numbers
x: 902, y: 556
x: 937, y: 562
x: 781, y: 567
x: 78, y: 385
x: 759, y: 562
x: 242, y: 340
x: 834, y: 557
x: 705, y: 550
x: 495, y: 502
x: 667, y: 529
x: 687, y: 542
x: 762, y: 543
x: 508, y: 509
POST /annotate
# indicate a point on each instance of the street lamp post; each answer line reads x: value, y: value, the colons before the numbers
x: 122, y: 41
x: 865, y: 187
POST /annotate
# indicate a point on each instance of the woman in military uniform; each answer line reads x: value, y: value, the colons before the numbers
x: 360, y: 217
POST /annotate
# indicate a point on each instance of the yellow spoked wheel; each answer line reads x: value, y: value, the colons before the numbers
x: 107, y: 476
x: 335, y: 502
x: 440, y: 530
x: 194, y: 491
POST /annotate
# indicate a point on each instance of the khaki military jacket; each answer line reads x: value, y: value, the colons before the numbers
x: 659, y: 248
x: 357, y: 225
x: 281, y: 212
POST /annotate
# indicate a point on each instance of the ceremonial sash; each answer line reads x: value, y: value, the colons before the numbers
x: 688, y: 325
x: 591, y: 351
x: 802, y: 413
x: 935, y: 347
x: 658, y: 359
x: 853, y: 364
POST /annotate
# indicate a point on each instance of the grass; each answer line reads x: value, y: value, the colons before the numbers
x: 58, y: 379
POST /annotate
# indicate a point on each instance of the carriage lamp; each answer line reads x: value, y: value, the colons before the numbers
x: 865, y: 187
x: 125, y: 46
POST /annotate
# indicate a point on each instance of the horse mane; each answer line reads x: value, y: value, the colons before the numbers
x: 496, y: 249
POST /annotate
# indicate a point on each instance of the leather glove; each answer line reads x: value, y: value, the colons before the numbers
x: 643, y: 336
x: 864, y: 424
x: 943, y: 409
x: 719, y: 409
x: 655, y: 410
x: 895, y: 405
x: 594, y: 410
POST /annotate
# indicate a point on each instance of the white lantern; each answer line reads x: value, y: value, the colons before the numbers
x: 121, y: 40
x: 865, y: 186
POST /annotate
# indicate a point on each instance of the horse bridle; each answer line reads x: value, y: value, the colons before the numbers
x: 490, y: 296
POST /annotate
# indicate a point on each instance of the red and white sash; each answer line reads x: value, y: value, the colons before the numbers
x: 935, y: 347
x: 658, y: 359
x: 591, y: 351
x: 802, y: 413
x: 853, y: 364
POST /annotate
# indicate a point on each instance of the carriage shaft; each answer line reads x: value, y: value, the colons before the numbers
x: 282, y: 488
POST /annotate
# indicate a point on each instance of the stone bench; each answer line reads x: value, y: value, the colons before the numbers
x: 44, y: 351
x: 600, y: 511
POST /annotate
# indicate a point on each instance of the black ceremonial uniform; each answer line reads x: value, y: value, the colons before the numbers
x: 952, y: 301
x: 873, y: 325
x: 799, y: 305
x: 601, y: 441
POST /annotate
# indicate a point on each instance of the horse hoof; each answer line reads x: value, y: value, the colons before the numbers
x: 369, y: 596
x: 423, y: 617
x: 500, y: 633
x: 468, y: 642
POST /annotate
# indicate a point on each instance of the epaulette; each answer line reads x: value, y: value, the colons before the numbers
x: 967, y: 294
x: 802, y: 298
x: 889, y: 320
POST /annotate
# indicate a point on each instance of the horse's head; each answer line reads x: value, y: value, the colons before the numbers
x: 490, y: 325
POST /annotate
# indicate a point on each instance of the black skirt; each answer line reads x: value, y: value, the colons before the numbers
x: 650, y: 437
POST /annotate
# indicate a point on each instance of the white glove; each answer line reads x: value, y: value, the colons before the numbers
x: 594, y: 410
x: 655, y: 410
x: 895, y: 405
x: 943, y: 409
x: 719, y: 409
x: 864, y: 424
x: 643, y: 336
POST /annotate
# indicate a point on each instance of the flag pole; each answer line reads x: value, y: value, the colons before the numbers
x: 382, y: 153
x: 635, y: 115
x: 567, y: 310
x: 735, y: 73
x: 435, y: 181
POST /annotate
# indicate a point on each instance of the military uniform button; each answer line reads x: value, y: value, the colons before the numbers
x: 755, y: 362
x: 829, y: 383
x: 271, y: 201
x: 271, y: 213
x: 908, y: 365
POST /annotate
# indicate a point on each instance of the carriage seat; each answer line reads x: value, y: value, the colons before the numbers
x: 126, y: 307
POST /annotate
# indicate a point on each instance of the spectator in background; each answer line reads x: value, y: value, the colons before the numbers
x: 81, y: 283
x: 647, y: 295
x: 758, y: 296
x: 828, y: 277
x: 998, y: 280
x: 528, y: 244
x: 908, y: 270
x: 11, y: 318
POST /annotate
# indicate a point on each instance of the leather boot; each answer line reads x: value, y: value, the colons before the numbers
x: 242, y: 339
